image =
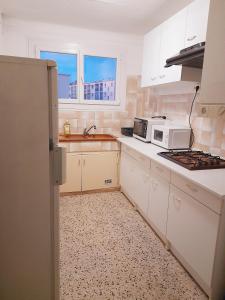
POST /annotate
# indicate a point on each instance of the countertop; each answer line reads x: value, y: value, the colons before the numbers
x: 212, y: 180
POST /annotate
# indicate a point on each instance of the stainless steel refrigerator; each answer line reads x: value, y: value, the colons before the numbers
x: 31, y: 168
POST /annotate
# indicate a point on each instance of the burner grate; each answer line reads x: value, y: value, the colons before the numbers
x: 194, y: 160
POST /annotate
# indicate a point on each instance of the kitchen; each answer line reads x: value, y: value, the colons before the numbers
x: 133, y: 224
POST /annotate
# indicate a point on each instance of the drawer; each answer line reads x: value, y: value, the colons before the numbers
x: 197, y: 192
x: 142, y: 159
x: 160, y: 170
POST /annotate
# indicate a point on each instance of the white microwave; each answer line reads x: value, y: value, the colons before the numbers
x: 171, y: 137
x: 143, y: 128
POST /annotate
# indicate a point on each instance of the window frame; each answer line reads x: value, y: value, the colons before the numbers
x: 64, y: 50
x: 35, y: 46
x: 115, y: 102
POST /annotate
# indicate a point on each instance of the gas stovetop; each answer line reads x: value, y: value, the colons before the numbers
x: 194, y: 160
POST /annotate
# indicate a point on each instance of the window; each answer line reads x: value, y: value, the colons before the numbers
x: 100, y: 72
x: 67, y: 73
x: 86, y: 77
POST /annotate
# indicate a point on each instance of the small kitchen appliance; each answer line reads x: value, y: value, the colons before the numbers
x: 192, y: 56
x: 143, y: 127
x: 171, y: 136
x: 127, y: 131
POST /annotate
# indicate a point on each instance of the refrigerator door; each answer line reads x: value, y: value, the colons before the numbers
x: 29, y: 198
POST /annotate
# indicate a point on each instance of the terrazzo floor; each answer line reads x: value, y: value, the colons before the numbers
x: 107, y: 251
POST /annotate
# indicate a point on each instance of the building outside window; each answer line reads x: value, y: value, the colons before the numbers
x: 100, y: 73
x: 67, y: 72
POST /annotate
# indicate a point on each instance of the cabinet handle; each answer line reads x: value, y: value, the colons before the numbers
x: 193, y: 189
x: 79, y: 162
x: 162, y: 76
x: 191, y: 38
x: 159, y: 169
x: 84, y: 162
x: 177, y: 202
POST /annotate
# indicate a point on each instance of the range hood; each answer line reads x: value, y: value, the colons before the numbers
x: 189, y: 57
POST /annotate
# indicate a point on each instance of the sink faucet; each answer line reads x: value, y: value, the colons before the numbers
x: 86, y: 130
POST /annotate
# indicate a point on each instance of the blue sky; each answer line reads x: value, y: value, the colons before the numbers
x: 106, y: 68
x: 67, y: 64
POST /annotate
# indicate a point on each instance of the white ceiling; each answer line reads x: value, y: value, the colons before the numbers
x: 130, y: 16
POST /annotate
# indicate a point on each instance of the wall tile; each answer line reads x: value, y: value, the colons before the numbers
x: 209, y: 132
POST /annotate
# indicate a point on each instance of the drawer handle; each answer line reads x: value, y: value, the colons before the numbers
x: 193, y: 189
x: 159, y: 169
x: 153, y: 78
x: 162, y: 76
x: 191, y: 38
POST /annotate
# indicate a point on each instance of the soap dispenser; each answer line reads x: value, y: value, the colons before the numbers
x: 66, y: 128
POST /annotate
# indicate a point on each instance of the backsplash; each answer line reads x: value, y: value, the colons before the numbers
x: 209, y: 132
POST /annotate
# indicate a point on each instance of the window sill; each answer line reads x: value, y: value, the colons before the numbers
x: 91, y: 107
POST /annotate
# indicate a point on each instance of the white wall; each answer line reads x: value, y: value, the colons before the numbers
x: 19, y: 37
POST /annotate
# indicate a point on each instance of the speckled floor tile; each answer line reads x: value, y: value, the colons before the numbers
x: 107, y: 251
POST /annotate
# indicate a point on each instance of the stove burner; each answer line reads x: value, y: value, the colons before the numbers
x: 194, y: 160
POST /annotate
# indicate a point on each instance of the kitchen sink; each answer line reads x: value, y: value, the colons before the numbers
x: 72, y: 138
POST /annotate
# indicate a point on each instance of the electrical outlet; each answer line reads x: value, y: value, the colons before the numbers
x: 108, y: 181
x: 212, y: 111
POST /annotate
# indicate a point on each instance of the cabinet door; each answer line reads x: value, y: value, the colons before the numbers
x: 127, y: 174
x: 197, y: 21
x: 192, y: 231
x: 141, y: 187
x: 172, y: 41
x: 134, y: 180
x: 150, y: 63
x: 73, y: 173
x: 158, y: 202
x: 100, y: 170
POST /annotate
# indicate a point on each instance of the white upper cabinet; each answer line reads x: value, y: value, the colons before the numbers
x: 212, y: 90
x: 197, y: 20
x: 186, y: 28
x: 150, y: 64
x: 172, y: 41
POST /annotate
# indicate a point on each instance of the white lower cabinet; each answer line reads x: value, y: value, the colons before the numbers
x: 99, y: 170
x: 188, y: 218
x: 73, y: 173
x: 192, y: 231
x: 134, y: 180
x: 91, y: 171
x: 141, y: 188
x: 158, y: 202
x: 127, y: 175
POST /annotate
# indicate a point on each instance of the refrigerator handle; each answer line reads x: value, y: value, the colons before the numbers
x: 59, y: 165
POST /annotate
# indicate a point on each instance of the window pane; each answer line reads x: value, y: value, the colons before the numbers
x: 99, y: 78
x: 67, y: 73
